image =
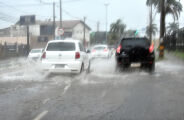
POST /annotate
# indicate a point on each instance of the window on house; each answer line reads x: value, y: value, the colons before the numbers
x: 46, y: 30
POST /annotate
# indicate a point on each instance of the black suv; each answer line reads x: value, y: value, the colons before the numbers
x: 135, y: 50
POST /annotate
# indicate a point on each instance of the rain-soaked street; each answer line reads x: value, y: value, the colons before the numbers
x: 28, y: 94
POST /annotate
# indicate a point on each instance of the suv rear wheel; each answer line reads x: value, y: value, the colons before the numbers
x: 151, y: 67
x: 127, y: 65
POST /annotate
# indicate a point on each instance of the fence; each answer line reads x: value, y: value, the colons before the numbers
x: 12, y: 50
x: 175, y: 41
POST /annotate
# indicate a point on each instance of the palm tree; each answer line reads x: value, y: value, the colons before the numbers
x: 165, y: 7
x: 172, y: 7
x: 151, y: 30
x: 172, y: 27
x: 129, y: 33
x: 118, y: 28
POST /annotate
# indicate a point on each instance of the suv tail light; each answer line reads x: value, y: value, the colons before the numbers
x: 119, y: 49
x: 151, y: 48
x: 44, y: 55
x: 77, y: 55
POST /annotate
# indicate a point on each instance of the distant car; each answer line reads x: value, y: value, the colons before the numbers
x: 35, y: 54
x: 135, y: 50
x: 112, y: 49
x: 65, y: 56
x: 100, y: 51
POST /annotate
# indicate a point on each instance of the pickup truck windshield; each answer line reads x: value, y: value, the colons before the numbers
x: 61, y: 46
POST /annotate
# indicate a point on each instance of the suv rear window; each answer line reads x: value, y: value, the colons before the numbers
x: 61, y: 46
x: 132, y: 42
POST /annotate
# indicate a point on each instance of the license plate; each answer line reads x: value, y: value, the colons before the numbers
x: 59, y: 66
x: 135, y: 64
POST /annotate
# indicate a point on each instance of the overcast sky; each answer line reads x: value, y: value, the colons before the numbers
x: 134, y: 13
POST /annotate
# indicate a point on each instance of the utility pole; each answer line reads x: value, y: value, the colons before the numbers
x: 54, y: 24
x: 151, y: 22
x: 28, y: 46
x: 84, y: 39
x: 60, y: 26
x: 162, y: 29
x: 60, y: 14
x: 106, y: 6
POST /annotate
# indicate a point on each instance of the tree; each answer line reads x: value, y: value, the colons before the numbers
x: 165, y: 7
x: 130, y: 33
x: 172, y: 27
x: 151, y: 30
x: 116, y: 30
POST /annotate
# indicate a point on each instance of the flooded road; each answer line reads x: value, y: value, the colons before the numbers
x: 26, y: 93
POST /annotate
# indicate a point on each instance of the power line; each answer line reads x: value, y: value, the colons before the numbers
x: 69, y: 1
x: 22, y: 11
x: 44, y: 3
x: 75, y: 17
x: 7, y: 18
x: 41, y: 2
x: 12, y: 7
x: 66, y: 12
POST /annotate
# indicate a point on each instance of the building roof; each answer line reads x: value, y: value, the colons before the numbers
x: 67, y: 24
x: 66, y: 40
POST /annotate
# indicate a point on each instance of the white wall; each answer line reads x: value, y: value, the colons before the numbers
x: 17, y: 31
x: 34, y: 30
x: 78, y: 32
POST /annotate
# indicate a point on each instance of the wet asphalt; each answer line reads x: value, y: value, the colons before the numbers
x: 26, y: 93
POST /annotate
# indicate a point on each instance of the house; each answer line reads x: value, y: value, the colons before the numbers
x: 42, y: 31
x: 13, y: 35
x: 13, y: 31
x: 72, y: 29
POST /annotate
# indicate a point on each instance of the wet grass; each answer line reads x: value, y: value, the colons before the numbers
x: 179, y: 54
